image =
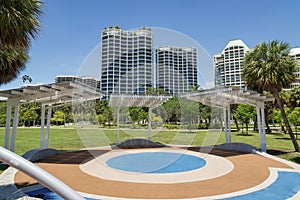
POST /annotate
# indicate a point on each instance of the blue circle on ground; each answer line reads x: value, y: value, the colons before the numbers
x: 156, y: 162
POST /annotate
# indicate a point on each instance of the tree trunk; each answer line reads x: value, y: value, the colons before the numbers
x: 268, y: 128
x: 242, y: 128
x: 266, y: 121
x: 286, y: 122
x: 236, y: 124
x: 283, y: 129
x: 255, y: 124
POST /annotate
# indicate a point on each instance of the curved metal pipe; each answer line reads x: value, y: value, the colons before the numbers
x: 39, y: 174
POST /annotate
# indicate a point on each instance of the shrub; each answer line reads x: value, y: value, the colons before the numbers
x: 171, y: 126
x: 203, y: 126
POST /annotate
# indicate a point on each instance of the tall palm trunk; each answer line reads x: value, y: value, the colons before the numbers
x: 286, y: 122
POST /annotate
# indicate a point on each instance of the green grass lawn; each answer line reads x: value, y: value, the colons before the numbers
x: 72, y: 139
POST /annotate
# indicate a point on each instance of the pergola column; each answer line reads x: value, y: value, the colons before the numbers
x: 260, y: 106
x: 149, y: 122
x: 118, y: 125
x: 42, y: 136
x: 48, y: 126
x: 14, y: 129
x: 226, y: 117
x: 8, y: 138
x: 7, y: 126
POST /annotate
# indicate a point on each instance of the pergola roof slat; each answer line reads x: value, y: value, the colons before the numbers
x: 126, y: 100
x: 51, y: 93
x: 225, y: 96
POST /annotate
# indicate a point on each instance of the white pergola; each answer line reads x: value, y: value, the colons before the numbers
x: 48, y: 95
x: 74, y: 92
x: 223, y: 97
x: 131, y: 100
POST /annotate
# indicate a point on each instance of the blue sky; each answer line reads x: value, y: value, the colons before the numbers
x: 72, y: 28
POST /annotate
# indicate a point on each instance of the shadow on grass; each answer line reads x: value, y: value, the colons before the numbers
x: 296, y: 159
x: 282, y: 138
x: 188, y: 132
x: 285, y: 154
x: 244, y: 134
x: 276, y: 133
x: 276, y: 152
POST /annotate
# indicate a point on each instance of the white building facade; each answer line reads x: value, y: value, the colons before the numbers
x: 295, y: 54
x: 228, y: 65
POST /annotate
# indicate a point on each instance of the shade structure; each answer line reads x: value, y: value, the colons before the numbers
x: 133, y: 100
x: 224, y: 97
x: 48, y: 95
x: 53, y: 93
x: 219, y: 97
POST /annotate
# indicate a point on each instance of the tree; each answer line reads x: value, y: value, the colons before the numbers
x: 233, y: 108
x: 19, y: 22
x: 12, y: 61
x: 137, y: 114
x: 295, y: 97
x: 67, y: 109
x: 58, y: 117
x: 155, y: 91
x: 172, y: 110
x: 102, y: 108
x: 26, y: 78
x: 268, y: 67
x: 276, y: 118
x: 2, y: 113
x: 101, y: 119
x: 189, y: 111
x: 244, y: 113
x: 30, y: 115
x: 29, y: 112
x: 108, y: 114
x: 294, y: 117
x: 204, y: 113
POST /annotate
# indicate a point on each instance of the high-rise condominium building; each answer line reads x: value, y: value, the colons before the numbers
x: 295, y: 54
x: 127, y: 61
x: 228, y: 65
x: 176, y: 69
x: 88, y: 80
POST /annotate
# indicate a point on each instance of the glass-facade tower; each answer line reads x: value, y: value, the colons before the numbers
x: 127, y: 61
x: 176, y: 69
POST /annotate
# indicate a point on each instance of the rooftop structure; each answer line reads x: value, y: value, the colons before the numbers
x: 88, y: 80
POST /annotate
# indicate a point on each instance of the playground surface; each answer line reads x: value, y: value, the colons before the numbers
x: 226, y: 174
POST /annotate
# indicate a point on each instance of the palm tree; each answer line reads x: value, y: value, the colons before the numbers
x: 12, y: 61
x: 19, y: 22
x: 268, y: 67
x: 295, y: 97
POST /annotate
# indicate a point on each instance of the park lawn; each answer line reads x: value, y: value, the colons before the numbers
x: 72, y: 139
